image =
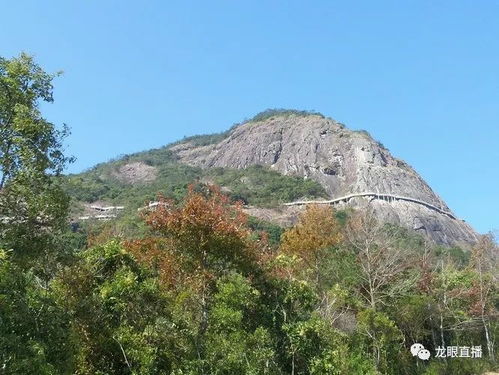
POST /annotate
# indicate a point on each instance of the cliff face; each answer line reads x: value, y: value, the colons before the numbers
x: 341, y: 160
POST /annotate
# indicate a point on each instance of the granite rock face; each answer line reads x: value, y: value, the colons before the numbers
x: 341, y: 160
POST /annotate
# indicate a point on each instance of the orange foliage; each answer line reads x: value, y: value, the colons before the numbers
x: 156, y: 253
x: 196, y: 240
x: 202, y: 216
x: 316, y: 230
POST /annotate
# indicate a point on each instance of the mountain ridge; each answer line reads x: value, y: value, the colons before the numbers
x: 299, y: 145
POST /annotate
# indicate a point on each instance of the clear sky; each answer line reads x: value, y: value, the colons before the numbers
x: 421, y: 76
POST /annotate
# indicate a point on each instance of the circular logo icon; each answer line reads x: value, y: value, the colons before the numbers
x: 419, y: 350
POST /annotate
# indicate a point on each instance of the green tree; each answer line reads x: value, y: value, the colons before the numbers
x: 122, y: 322
x: 34, y: 331
x: 236, y: 343
x: 381, y: 338
x: 32, y: 204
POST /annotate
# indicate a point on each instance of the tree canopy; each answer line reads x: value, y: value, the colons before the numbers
x: 32, y: 204
x: 201, y: 289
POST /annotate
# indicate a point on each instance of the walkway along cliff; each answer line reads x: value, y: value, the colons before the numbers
x: 351, y: 166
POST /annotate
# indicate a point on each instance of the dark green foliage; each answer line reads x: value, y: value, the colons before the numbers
x: 381, y: 145
x: 341, y: 216
x: 32, y: 204
x: 459, y: 256
x: 274, y: 231
x: 236, y: 342
x: 260, y: 186
x: 120, y: 316
x: 34, y: 330
x: 381, y: 338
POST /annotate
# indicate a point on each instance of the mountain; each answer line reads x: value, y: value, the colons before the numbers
x: 348, y: 168
x: 343, y: 161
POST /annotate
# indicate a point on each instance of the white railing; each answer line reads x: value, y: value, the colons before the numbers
x: 383, y: 196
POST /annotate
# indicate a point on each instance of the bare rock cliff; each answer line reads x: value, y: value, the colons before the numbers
x: 345, y: 162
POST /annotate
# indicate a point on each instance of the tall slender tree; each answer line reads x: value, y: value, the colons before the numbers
x: 31, y: 154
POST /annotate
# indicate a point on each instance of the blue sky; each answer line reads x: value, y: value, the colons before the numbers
x: 421, y: 76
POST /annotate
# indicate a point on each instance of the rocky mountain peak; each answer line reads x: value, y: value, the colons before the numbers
x: 346, y: 163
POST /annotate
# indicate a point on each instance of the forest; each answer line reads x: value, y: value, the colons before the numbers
x: 203, y: 289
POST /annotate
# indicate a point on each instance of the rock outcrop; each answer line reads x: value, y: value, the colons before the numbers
x: 135, y: 172
x: 341, y: 160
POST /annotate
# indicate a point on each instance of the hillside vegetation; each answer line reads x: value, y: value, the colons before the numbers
x: 198, y: 288
x: 254, y: 186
